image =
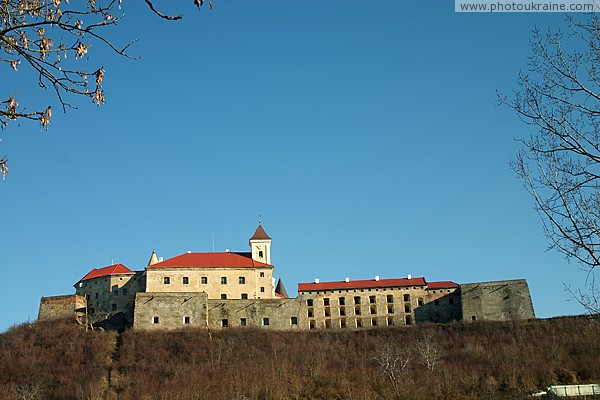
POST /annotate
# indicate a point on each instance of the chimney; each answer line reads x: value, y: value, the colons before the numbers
x: 409, y: 276
x: 189, y: 251
x: 346, y: 280
x: 226, y: 250
x: 316, y: 280
x: 377, y: 278
x: 160, y: 259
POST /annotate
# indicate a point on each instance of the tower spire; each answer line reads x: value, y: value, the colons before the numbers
x: 260, y: 244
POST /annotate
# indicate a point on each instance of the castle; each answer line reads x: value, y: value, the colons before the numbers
x: 237, y: 289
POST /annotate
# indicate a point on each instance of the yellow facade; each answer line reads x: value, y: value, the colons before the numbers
x: 218, y: 283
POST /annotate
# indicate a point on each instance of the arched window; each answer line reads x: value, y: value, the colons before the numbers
x: 260, y: 254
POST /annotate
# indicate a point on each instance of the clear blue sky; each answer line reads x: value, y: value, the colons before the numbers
x: 365, y: 133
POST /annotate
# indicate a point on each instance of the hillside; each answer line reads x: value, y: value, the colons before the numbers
x: 60, y: 360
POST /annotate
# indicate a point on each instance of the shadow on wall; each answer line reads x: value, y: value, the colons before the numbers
x: 441, y: 310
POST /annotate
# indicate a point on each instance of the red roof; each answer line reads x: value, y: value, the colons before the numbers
x: 364, y: 284
x: 116, y: 269
x: 260, y: 234
x: 442, y: 285
x: 210, y: 260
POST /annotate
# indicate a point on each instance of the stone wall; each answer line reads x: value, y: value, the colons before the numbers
x: 384, y: 306
x: 170, y: 310
x: 496, y: 301
x: 60, y: 306
x: 280, y: 314
x: 109, y: 295
x: 439, y: 306
x: 177, y: 310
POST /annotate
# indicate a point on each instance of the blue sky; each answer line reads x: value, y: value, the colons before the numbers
x: 366, y: 134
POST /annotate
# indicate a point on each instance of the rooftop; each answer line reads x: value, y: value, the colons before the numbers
x: 115, y: 269
x: 260, y: 234
x: 361, y: 284
x: 210, y: 260
x: 375, y: 283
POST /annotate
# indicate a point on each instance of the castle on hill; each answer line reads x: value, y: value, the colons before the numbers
x: 238, y: 289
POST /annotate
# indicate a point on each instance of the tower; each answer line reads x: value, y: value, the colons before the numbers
x: 260, y: 243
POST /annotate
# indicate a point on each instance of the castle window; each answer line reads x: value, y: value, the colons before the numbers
x: 407, y: 297
x: 408, y: 320
x: 115, y: 292
x: 327, y: 312
x: 186, y: 280
x: 243, y: 322
x: 204, y: 280
x: 372, y: 299
x: 186, y: 320
x: 357, y: 310
x: 373, y: 309
x: 326, y: 301
x: 242, y: 280
x: 390, y: 321
x: 124, y: 292
x: 390, y: 298
x: 265, y: 321
x: 342, y: 311
x: 358, y: 323
x: 342, y: 301
x: 114, y: 307
x: 450, y: 300
x: 407, y: 308
x: 262, y: 289
x: 310, y: 313
x: 294, y: 320
x: 420, y: 301
x: 260, y: 254
x: 328, y: 324
x: 311, y: 324
x: 390, y: 309
x: 357, y: 300
x: 223, y: 280
x: 224, y: 323
x: 223, y: 296
x: 343, y: 323
x: 166, y: 280
x: 155, y: 320
x: 262, y: 274
x: 473, y: 317
x: 374, y: 321
x: 309, y: 302
x: 94, y: 296
x: 244, y: 296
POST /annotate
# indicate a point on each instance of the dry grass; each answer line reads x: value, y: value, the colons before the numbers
x: 470, y: 361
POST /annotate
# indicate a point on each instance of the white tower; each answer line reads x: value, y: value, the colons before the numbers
x: 260, y: 243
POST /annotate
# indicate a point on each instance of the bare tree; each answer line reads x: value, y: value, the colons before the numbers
x: 53, y: 39
x: 393, y: 363
x: 428, y: 349
x: 29, y: 391
x: 560, y: 161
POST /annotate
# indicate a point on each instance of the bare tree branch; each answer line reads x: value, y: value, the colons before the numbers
x: 560, y: 162
x: 50, y: 38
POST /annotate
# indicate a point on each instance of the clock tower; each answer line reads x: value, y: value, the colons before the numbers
x: 260, y: 243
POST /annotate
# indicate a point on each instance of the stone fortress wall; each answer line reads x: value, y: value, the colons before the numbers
x: 225, y: 290
x: 61, y: 306
x: 498, y: 301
